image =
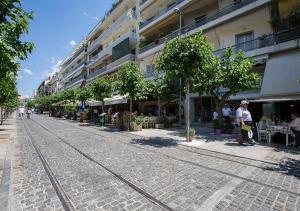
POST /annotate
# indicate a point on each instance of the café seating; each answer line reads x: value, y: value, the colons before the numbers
x: 261, y: 132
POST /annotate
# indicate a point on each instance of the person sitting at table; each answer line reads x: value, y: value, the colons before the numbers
x: 274, y: 120
x: 295, y: 126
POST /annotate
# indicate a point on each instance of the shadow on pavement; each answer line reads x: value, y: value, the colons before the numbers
x: 155, y: 142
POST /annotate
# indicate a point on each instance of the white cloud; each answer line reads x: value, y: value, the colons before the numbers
x: 55, y: 67
x: 72, y: 43
x: 27, y: 71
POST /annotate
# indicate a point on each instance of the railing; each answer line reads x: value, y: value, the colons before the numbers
x: 108, y: 49
x: 160, y: 13
x: 188, y: 28
x: 75, y: 80
x: 264, y: 41
x: 73, y: 70
x: 97, y: 72
x: 107, y: 31
x: 74, y: 57
x: 128, y: 57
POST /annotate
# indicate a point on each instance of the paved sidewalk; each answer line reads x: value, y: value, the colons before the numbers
x: 225, y: 144
x: 7, y: 131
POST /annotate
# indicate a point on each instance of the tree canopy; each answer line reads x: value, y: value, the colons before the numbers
x: 130, y: 80
x: 101, y: 88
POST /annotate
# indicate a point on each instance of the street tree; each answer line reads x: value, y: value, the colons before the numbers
x: 184, y: 57
x: 14, y: 22
x: 69, y: 94
x: 83, y: 94
x: 226, y: 76
x: 162, y: 88
x: 130, y: 80
x: 101, y: 88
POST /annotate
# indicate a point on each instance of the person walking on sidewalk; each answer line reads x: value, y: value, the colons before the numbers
x: 21, y: 112
x: 226, y: 111
x: 245, y: 119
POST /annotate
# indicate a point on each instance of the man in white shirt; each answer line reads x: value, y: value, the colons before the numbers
x: 21, y: 112
x: 295, y: 125
x: 244, y: 118
x: 226, y: 111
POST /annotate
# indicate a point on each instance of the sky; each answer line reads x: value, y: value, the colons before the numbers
x: 58, y: 26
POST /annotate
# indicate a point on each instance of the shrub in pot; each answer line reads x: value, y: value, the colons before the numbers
x: 217, y: 127
x: 191, y: 134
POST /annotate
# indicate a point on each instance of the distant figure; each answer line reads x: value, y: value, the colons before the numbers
x: 21, y: 112
x: 215, y: 115
x: 28, y: 113
x: 295, y: 126
x: 226, y: 112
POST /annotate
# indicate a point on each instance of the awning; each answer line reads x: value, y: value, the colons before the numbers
x: 281, y: 75
x: 277, y: 99
x: 118, y: 99
x: 245, y: 95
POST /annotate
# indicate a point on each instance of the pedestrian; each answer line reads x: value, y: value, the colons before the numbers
x: 215, y: 115
x: 245, y: 120
x: 21, y: 112
x: 28, y: 113
x: 226, y: 111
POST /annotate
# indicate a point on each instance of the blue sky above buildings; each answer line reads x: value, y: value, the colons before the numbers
x: 58, y: 26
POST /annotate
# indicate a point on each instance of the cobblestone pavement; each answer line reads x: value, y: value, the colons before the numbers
x: 182, y: 178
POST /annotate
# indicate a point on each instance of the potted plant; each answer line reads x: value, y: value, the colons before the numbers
x: 191, y: 134
x: 84, y: 116
x: 136, y: 123
x: 217, y: 127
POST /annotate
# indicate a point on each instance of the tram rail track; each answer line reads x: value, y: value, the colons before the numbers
x: 66, y: 202
x: 182, y: 160
x: 204, y: 152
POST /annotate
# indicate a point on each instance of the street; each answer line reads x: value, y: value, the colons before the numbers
x: 63, y: 165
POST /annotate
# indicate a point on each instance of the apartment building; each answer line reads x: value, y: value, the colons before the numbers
x: 241, y: 24
x: 53, y: 84
x: 73, y: 69
x: 43, y: 89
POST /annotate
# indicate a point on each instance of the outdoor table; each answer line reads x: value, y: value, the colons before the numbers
x: 271, y: 130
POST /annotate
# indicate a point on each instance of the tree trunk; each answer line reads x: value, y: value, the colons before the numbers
x: 158, y: 106
x: 1, y: 114
x: 187, y: 110
x: 103, y: 106
x: 130, y: 105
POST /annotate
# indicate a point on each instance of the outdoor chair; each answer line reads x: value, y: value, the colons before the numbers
x: 146, y: 122
x: 261, y: 132
x: 151, y: 122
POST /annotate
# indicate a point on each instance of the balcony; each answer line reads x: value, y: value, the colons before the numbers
x: 74, y: 57
x: 74, y: 81
x: 264, y: 41
x: 160, y: 13
x: 74, y: 70
x: 114, y: 65
x: 107, y: 32
x: 188, y: 28
x: 96, y: 73
x: 108, y: 50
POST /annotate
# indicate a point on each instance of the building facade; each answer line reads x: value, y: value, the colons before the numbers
x: 136, y: 30
x: 240, y: 24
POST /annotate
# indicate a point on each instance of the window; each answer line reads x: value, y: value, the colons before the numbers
x: 150, y: 68
x: 243, y: 41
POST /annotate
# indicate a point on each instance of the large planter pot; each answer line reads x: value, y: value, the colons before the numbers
x: 159, y: 126
x: 190, y: 138
x: 217, y: 131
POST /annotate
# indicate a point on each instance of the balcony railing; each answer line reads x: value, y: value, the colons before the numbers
x: 97, y: 72
x: 129, y: 57
x: 73, y: 70
x: 74, y: 57
x: 75, y: 80
x: 188, y: 28
x: 264, y: 41
x: 160, y: 13
x: 107, y: 31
